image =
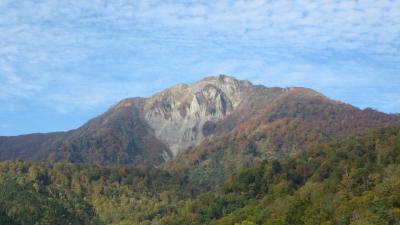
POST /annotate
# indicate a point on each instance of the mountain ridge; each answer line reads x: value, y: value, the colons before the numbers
x: 182, y: 118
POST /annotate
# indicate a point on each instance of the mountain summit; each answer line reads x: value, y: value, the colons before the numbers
x: 179, y: 120
x: 184, y: 115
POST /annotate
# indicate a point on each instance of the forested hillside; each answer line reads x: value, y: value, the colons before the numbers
x: 350, y: 181
x: 289, y: 126
x: 354, y: 180
x: 119, y: 194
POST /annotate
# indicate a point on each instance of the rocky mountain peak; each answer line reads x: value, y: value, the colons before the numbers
x: 184, y: 115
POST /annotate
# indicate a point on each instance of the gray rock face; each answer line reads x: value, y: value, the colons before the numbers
x: 184, y: 115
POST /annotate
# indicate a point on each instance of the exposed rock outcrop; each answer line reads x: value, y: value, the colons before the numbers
x: 178, y: 115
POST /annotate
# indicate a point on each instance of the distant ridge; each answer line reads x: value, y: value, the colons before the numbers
x: 188, y: 121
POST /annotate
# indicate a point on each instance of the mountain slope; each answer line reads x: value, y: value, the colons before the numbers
x: 293, y: 122
x: 354, y: 180
x: 190, y: 122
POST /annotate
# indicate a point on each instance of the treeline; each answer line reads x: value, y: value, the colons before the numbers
x: 23, y: 202
x: 42, y: 193
x: 350, y: 181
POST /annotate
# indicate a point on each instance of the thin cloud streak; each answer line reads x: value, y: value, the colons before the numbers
x: 82, y: 56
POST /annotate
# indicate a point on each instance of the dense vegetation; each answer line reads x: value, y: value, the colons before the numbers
x: 119, y: 194
x: 23, y: 202
x: 350, y: 181
x: 291, y: 125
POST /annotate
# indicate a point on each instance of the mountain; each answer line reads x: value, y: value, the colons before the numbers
x: 218, y: 151
x: 199, y: 124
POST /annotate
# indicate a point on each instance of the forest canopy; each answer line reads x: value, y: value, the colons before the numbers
x: 349, y: 181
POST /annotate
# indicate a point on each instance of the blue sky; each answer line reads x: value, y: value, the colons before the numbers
x: 63, y: 62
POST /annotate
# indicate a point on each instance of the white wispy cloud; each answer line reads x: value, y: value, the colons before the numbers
x: 272, y: 42
x: 323, y: 24
x: 306, y: 24
x: 14, y: 85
